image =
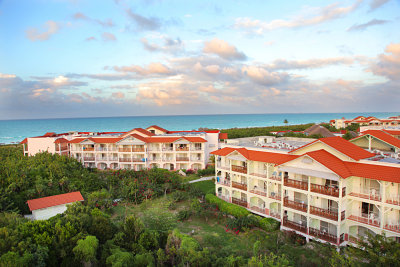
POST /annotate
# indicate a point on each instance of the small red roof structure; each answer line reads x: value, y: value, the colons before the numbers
x: 49, y: 134
x: 381, y: 135
x: 61, y: 141
x: 45, y: 202
x: 24, y: 141
x: 158, y: 128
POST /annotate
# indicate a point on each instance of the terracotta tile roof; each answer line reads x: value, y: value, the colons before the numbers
x: 24, y: 141
x: 161, y: 139
x: 223, y: 136
x: 140, y: 130
x: 141, y: 138
x: 104, y: 140
x: 49, y: 134
x: 343, y: 146
x: 158, y: 128
x: 205, y: 131
x: 331, y: 162
x: 61, y: 140
x: 392, y: 132
x: 375, y: 172
x: 195, y: 139
x: 77, y: 140
x: 254, y: 155
x: 45, y: 202
x: 381, y: 135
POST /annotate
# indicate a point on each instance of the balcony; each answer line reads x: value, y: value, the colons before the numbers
x: 258, y: 174
x: 88, y: 159
x: 322, y: 235
x: 329, y: 214
x: 371, y: 195
x: 182, y: 149
x: 137, y: 160
x: 394, y: 200
x: 223, y: 182
x: 223, y: 167
x: 295, y: 226
x: 156, y: 159
x: 113, y: 158
x: 225, y: 198
x: 239, y: 186
x: 196, y: 149
x: 240, y: 169
x: 393, y: 228
x: 102, y: 159
x: 325, y: 190
x: 239, y: 202
x: 364, y: 218
x: 294, y: 205
x: 138, y: 149
x: 259, y: 192
x: 101, y: 149
x: 274, y: 195
x: 195, y: 159
x: 258, y: 209
x: 296, y: 184
x: 275, y: 214
x: 182, y: 159
x: 125, y: 160
x: 168, y: 149
x: 62, y: 148
x: 276, y: 178
x: 88, y: 149
x: 126, y: 149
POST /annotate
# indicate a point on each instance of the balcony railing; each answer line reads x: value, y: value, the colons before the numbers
x: 88, y: 158
x: 394, y: 200
x: 155, y: 159
x: 329, y: 214
x: 295, y: 226
x: 126, y: 149
x: 259, y: 192
x: 325, y: 190
x: 274, y: 195
x: 88, y: 148
x: 225, y: 198
x: 322, y: 235
x: 275, y: 214
x: 364, y: 218
x: 195, y: 159
x: 239, y: 202
x: 258, y: 209
x: 224, y: 182
x: 113, y: 158
x: 182, y: 159
x: 276, y: 178
x: 62, y: 148
x: 102, y: 159
x: 101, y: 149
x: 182, y: 148
x: 240, y: 169
x: 137, y: 160
x: 296, y: 184
x: 223, y: 167
x: 261, y: 175
x: 125, y: 160
x: 394, y: 228
x: 167, y: 149
x: 239, y: 186
x: 294, y: 204
x: 371, y: 195
x: 138, y: 149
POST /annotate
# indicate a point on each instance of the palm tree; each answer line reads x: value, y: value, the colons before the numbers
x: 285, y: 122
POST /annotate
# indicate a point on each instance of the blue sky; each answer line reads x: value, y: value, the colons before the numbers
x: 76, y: 58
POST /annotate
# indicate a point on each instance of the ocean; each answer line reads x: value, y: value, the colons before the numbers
x: 12, y: 131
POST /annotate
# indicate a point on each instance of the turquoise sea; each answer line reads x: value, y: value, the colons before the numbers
x: 16, y: 130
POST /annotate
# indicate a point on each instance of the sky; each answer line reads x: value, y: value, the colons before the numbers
x: 76, y: 58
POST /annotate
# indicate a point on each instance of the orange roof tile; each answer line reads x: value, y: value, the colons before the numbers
x: 45, y: 202
x: 381, y: 135
x: 223, y: 136
x: 77, y: 140
x: 375, y: 172
x: 49, y: 134
x: 254, y: 155
x: 343, y: 146
x: 61, y: 140
x: 24, y: 141
x: 331, y: 162
x: 195, y: 139
x: 392, y: 132
x: 158, y: 128
x: 104, y: 140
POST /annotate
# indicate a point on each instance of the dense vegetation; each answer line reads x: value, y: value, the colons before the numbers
x: 161, y: 221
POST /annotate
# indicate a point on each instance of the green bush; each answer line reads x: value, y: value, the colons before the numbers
x: 183, y: 215
x: 178, y: 196
x: 268, y: 224
x: 226, y: 207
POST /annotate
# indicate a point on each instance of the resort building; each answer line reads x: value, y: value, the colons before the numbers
x: 375, y: 123
x: 136, y: 149
x: 47, y: 207
x: 327, y: 189
x: 379, y: 141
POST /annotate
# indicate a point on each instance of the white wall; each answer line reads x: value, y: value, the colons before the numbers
x: 40, y: 144
x: 46, y: 213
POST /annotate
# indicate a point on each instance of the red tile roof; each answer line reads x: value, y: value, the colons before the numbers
x: 381, y: 135
x: 331, y: 162
x: 375, y: 172
x: 104, y: 140
x: 45, y: 202
x: 77, y: 140
x: 143, y: 131
x: 24, y: 141
x: 254, y: 155
x: 392, y: 132
x: 158, y: 128
x: 195, y: 139
x: 49, y: 134
x: 343, y: 146
x: 61, y: 140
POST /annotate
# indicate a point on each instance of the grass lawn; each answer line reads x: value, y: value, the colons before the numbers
x: 207, y: 187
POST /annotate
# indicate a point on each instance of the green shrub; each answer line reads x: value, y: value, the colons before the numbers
x: 184, y: 215
x: 178, y: 196
x: 268, y: 224
x: 226, y: 207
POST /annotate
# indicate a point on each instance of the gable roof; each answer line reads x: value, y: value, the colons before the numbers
x: 331, y: 162
x: 381, y: 135
x: 318, y: 129
x: 254, y: 155
x: 24, y: 141
x: 158, y: 128
x: 45, y: 202
x: 49, y: 134
x: 392, y: 132
x: 61, y: 141
x: 140, y: 130
x: 343, y: 146
x: 77, y: 140
x: 375, y: 172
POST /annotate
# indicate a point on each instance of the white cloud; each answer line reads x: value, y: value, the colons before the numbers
x: 48, y: 29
